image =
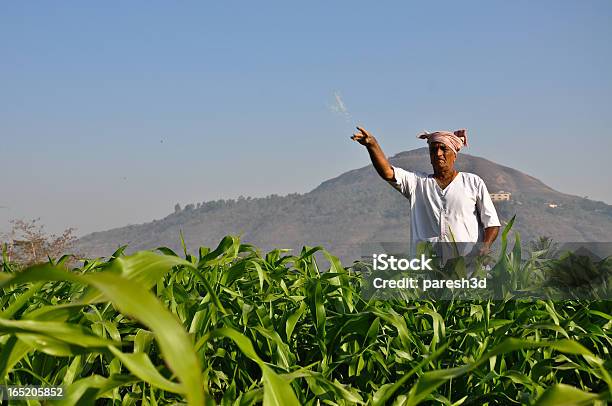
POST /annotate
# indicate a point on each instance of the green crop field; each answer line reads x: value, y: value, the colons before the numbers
x: 234, y: 326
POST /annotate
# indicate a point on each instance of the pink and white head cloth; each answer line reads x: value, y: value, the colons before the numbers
x: 455, y: 140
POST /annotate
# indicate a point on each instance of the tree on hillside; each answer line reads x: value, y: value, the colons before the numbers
x: 27, y: 243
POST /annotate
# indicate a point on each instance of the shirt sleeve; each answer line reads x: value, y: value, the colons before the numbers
x: 488, y: 214
x: 405, y: 181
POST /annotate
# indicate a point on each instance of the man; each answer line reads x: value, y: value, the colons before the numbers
x: 446, y: 206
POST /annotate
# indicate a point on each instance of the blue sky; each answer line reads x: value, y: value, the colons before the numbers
x: 112, y: 113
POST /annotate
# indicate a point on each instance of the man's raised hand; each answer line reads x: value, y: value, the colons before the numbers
x: 363, y: 137
x: 380, y: 162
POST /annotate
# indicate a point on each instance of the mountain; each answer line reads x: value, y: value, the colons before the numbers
x: 354, y: 208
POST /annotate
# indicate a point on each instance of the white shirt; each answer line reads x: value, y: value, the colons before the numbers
x: 459, y: 213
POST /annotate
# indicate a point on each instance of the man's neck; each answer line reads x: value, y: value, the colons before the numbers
x: 446, y: 174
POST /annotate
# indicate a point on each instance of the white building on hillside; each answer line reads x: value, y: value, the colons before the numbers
x: 499, y: 196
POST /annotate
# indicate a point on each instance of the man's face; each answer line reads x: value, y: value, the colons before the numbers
x: 442, y: 156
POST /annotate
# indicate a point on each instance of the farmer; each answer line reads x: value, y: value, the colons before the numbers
x: 446, y: 206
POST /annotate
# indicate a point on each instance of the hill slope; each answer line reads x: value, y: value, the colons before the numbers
x: 358, y: 207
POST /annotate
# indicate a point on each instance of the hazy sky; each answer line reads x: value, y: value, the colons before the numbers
x: 112, y: 113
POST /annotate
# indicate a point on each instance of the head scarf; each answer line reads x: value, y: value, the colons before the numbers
x: 455, y: 140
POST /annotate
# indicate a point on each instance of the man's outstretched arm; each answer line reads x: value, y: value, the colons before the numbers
x: 379, y: 160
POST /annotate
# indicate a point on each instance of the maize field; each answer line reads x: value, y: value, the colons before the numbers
x: 233, y: 326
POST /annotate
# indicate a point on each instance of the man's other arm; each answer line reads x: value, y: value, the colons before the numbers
x: 488, y: 217
x: 490, y: 234
x: 379, y: 160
